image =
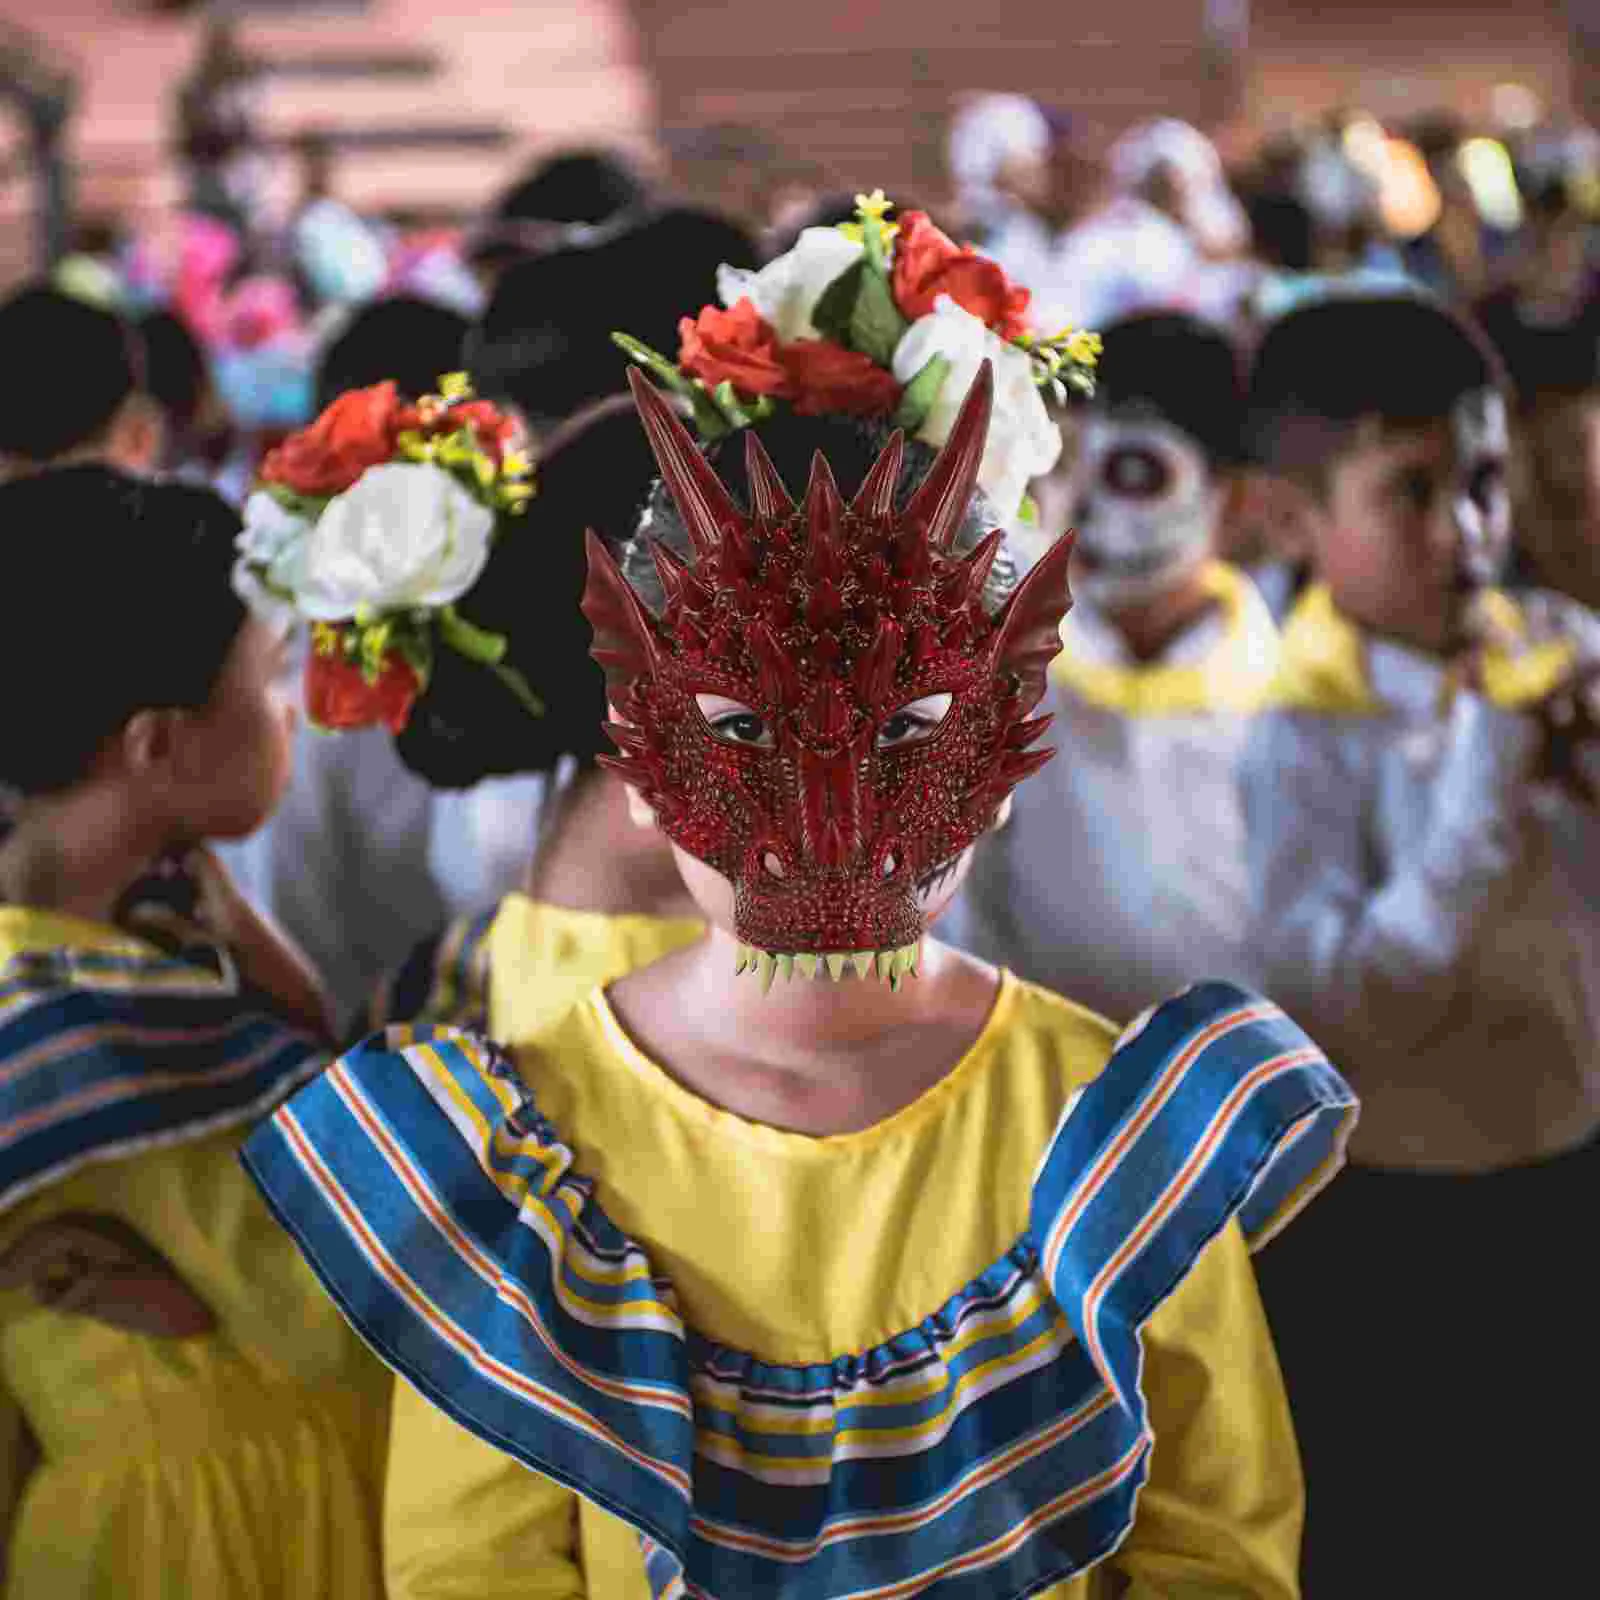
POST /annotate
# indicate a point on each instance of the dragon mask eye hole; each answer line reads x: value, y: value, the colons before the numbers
x: 735, y: 723
x: 915, y: 721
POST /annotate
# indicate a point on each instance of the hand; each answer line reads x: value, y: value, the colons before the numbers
x: 86, y: 1264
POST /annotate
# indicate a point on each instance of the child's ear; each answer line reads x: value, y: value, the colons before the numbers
x: 138, y: 435
x: 148, y: 743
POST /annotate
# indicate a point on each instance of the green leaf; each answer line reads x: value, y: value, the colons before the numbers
x: 876, y: 326
x: 308, y: 506
x: 835, y: 311
x: 708, y: 419
x: 730, y: 404
x: 1028, y: 511
x: 469, y: 640
x: 652, y: 361
x: 921, y: 393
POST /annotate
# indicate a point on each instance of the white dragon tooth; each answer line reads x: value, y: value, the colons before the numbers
x: 806, y: 964
x: 861, y: 960
x: 786, y: 967
x: 768, y: 969
x: 744, y: 960
x: 914, y: 953
x: 835, y: 965
x: 884, y: 962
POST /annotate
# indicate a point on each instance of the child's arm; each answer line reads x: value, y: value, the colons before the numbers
x: 1220, y: 1515
x: 462, y: 1518
x: 268, y: 958
x: 1353, y: 943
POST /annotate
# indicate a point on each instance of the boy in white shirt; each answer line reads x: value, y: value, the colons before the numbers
x: 1425, y: 860
x: 1122, y: 873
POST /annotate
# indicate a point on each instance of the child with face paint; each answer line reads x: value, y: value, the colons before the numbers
x: 815, y: 1258
x: 1121, y: 875
x: 1425, y: 856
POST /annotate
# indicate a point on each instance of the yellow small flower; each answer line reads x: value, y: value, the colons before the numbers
x: 483, y: 467
x: 873, y: 207
x: 517, y: 464
x: 1085, y: 347
x: 324, y: 638
x: 415, y: 448
x: 455, y: 386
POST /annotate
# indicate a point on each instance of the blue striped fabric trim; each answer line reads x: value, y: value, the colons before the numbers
x: 484, y: 1271
x: 106, y: 1053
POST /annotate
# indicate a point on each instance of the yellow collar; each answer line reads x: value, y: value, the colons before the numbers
x: 25, y: 930
x: 1234, y: 675
x: 1325, y: 665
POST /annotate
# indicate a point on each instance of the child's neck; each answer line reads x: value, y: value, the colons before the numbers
x: 1149, y: 627
x: 76, y: 853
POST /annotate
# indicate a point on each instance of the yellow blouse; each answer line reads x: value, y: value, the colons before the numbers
x: 244, y: 1462
x: 935, y: 1194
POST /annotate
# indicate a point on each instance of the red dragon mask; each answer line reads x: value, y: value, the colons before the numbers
x: 833, y: 812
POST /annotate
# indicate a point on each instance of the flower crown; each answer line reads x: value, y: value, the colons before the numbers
x: 876, y: 318
x: 370, y: 525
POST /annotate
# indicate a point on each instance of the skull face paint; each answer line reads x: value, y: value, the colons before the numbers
x: 1481, y: 502
x: 1145, y: 508
x: 825, y: 712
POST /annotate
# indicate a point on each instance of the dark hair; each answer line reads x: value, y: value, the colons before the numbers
x: 575, y: 186
x: 1402, y: 360
x: 175, y: 367
x: 1556, y: 359
x: 544, y: 341
x: 579, y: 187
x: 851, y: 446
x: 1180, y: 369
x: 670, y: 264
x: 467, y: 726
x: 1281, y: 230
x: 410, y: 340
x: 69, y: 367
x: 122, y: 602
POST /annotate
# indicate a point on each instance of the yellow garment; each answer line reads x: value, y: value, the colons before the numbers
x: 542, y: 959
x: 243, y: 1464
x: 938, y: 1192
x: 1324, y: 664
x: 1235, y: 675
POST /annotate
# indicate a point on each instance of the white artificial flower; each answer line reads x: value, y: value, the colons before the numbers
x: 271, y: 548
x: 407, y: 535
x: 1024, y: 442
x: 786, y: 290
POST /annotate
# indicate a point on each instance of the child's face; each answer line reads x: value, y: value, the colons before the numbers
x: 1146, y: 507
x: 1410, y: 523
x: 235, y: 759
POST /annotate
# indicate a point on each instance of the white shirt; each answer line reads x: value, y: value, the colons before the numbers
x: 364, y: 860
x: 1121, y: 876
x: 1430, y: 916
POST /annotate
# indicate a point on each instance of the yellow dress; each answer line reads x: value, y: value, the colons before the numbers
x: 725, y: 1248
x: 243, y: 1463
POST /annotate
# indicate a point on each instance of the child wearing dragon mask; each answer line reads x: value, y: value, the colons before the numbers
x: 692, y: 1287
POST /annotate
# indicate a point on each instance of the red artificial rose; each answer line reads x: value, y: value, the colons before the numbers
x: 829, y: 379
x: 736, y: 345
x: 356, y: 432
x: 339, y: 696
x: 927, y: 264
